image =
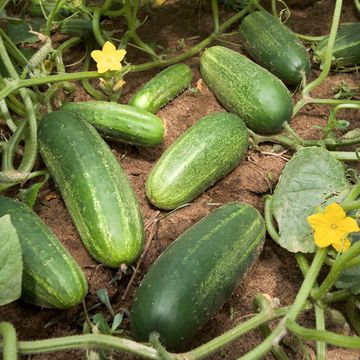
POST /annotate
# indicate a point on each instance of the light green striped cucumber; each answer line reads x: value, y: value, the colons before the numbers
x: 246, y: 89
x: 94, y: 187
x: 201, y: 156
x: 196, y: 274
x: 51, y: 277
x: 275, y: 47
x: 120, y: 122
x: 162, y: 88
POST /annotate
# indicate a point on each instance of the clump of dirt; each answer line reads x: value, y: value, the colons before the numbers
x: 275, y: 273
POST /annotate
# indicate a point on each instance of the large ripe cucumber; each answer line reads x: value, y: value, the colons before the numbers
x: 94, y: 187
x: 346, y: 51
x: 162, y: 88
x: 51, y: 277
x: 196, y: 274
x: 246, y: 89
x: 273, y: 46
x: 120, y: 122
x: 202, y: 155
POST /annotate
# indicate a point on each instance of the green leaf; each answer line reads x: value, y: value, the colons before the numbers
x: 101, y: 324
x: 118, y: 318
x: 29, y: 195
x: 19, y: 30
x: 350, y: 278
x: 11, y: 265
x: 312, y: 178
x: 104, y: 298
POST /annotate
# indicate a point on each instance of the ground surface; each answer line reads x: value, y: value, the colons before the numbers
x: 275, y: 272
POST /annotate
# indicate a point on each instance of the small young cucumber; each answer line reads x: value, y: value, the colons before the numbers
x: 201, y: 156
x: 196, y: 274
x: 273, y: 46
x: 246, y: 89
x: 51, y: 277
x: 346, y: 51
x: 162, y: 88
x: 78, y: 27
x: 94, y: 187
x: 120, y: 122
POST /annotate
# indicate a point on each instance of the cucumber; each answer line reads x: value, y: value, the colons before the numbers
x: 51, y: 277
x: 273, y: 46
x: 162, y: 88
x: 78, y: 27
x: 201, y: 156
x: 120, y: 122
x: 94, y: 187
x: 196, y: 274
x: 246, y: 89
x: 346, y: 51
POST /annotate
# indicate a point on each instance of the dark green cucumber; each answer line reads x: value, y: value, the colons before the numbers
x: 346, y: 51
x: 162, y: 88
x: 201, y: 156
x: 196, y: 274
x: 78, y: 27
x: 246, y: 89
x: 120, y: 122
x: 51, y: 277
x: 94, y: 187
x: 273, y: 46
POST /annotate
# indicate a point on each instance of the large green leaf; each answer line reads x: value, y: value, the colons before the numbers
x: 350, y: 278
x: 18, y: 30
x: 11, y: 265
x: 312, y: 178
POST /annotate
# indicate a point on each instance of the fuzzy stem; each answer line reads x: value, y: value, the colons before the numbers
x: 329, y: 337
x: 337, y: 296
x: 215, y: 11
x: 336, y: 270
x: 269, y: 219
x: 327, y: 64
x: 86, y: 342
x: 305, y: 289
x: 8, y: 333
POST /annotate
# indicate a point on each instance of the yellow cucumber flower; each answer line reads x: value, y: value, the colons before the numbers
x: 332, y: 226
x: 159, y: 2
x: 108, y: 58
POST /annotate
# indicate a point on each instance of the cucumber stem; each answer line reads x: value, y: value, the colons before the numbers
x: 328, y: 58
x: 329, y: 337
x: 280, y: 331
x: 335, y: 271
x: 8, y: 333
x: 215, y: 11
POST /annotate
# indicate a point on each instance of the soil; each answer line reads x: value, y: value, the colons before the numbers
x: 275, y: 272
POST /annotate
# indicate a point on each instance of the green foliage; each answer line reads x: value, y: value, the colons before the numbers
x: 350, y: 277
x: 312, y: 178
x: 11, y: 265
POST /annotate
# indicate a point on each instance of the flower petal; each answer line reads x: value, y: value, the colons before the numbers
x: 318, y: 221
x: 102, y: 67
x: 120, y: 54
x: 334, y: 213
x: 109, y: 49
x: 97, y: 55
x: 348, y: 225
x: 115, y: 66
x: 324, y: 238
x: 342, y: 245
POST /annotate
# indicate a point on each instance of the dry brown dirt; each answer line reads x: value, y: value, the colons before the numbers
x: 275, y: 273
